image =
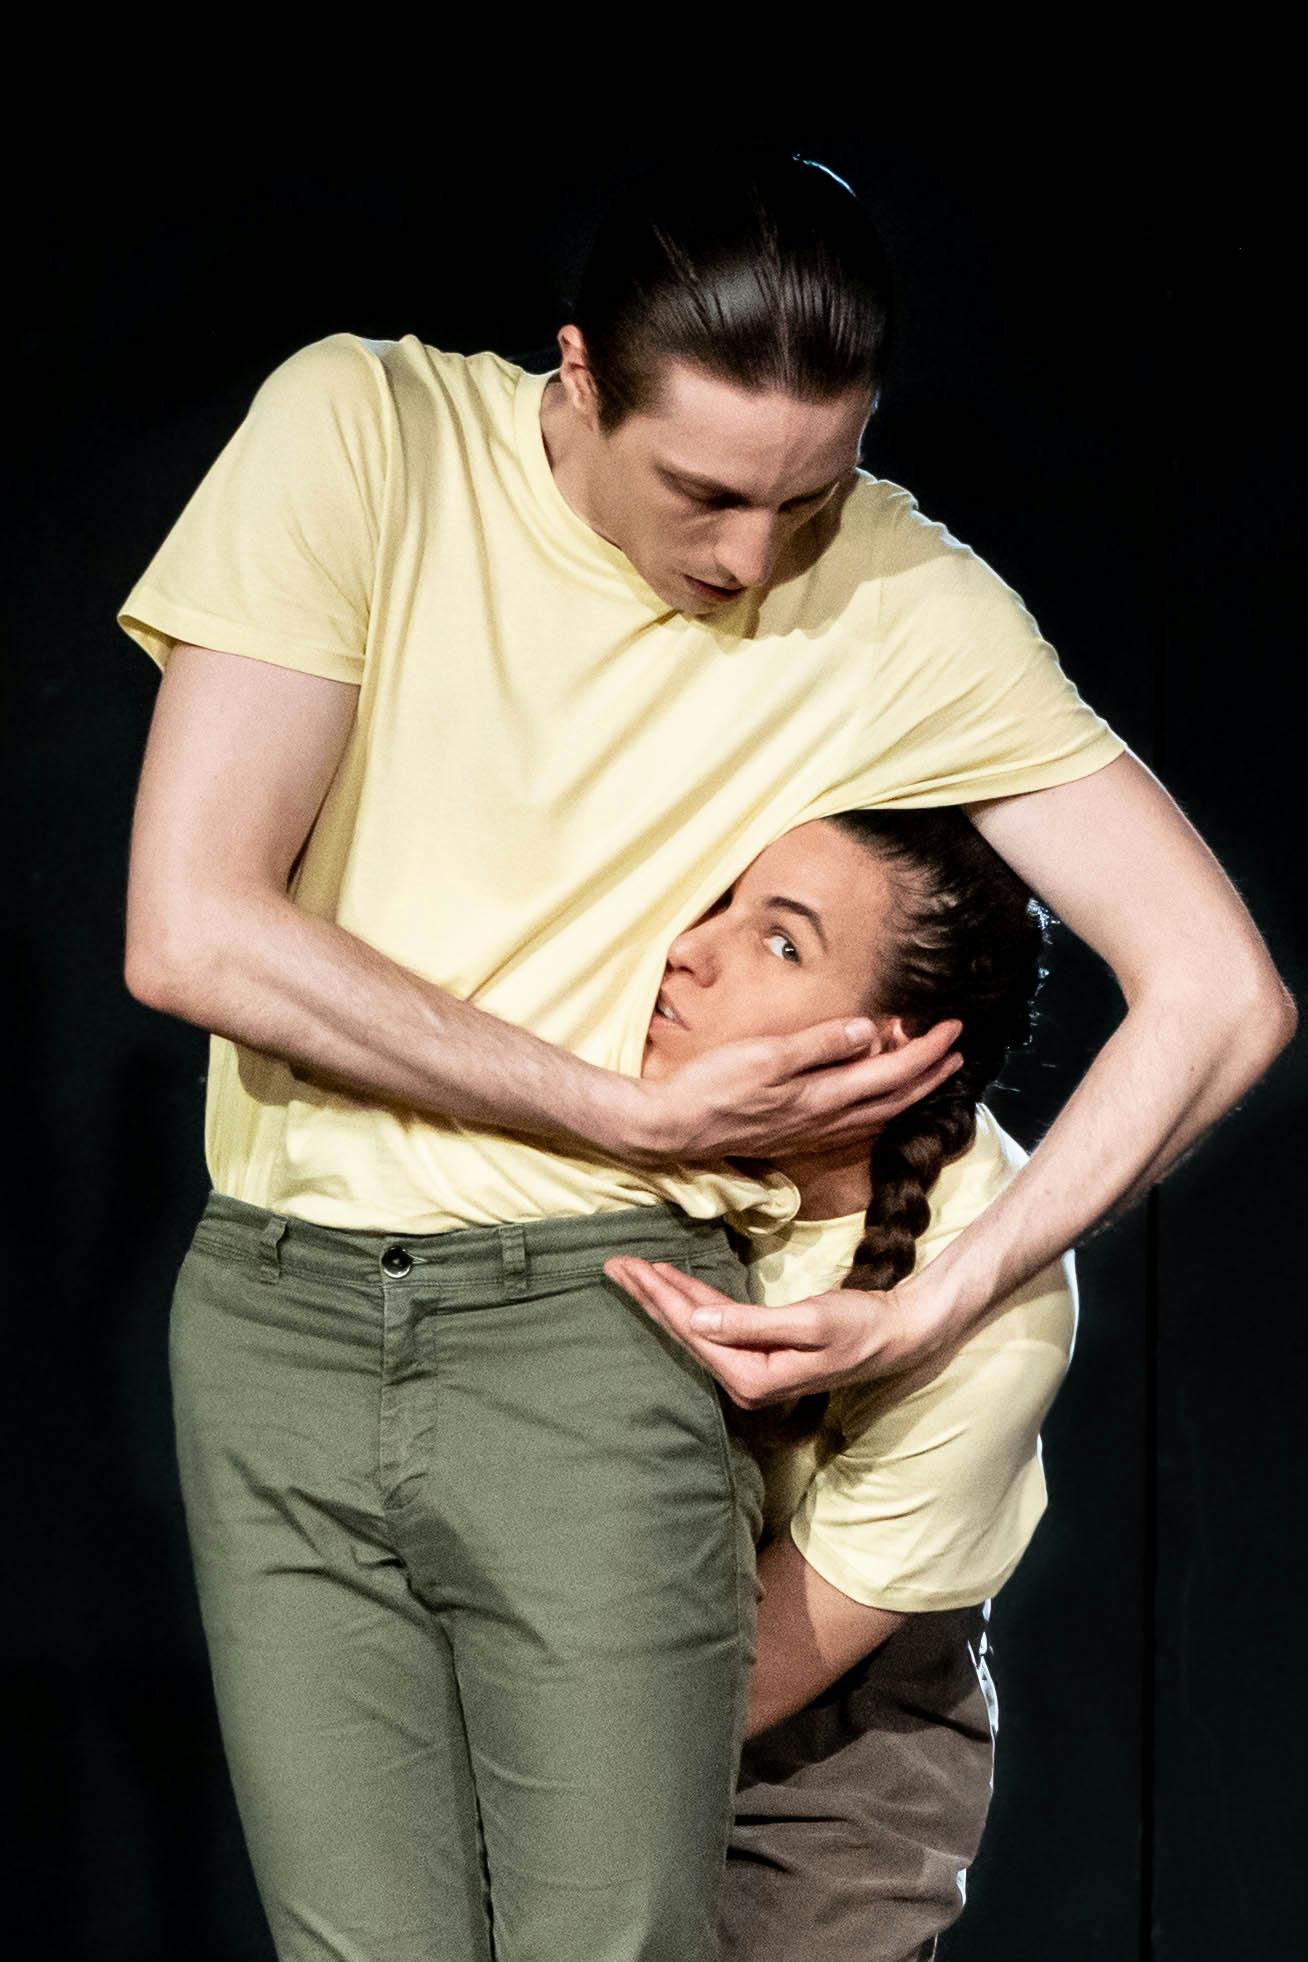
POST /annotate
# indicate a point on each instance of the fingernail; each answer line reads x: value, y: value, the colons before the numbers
x: 859, y: 1031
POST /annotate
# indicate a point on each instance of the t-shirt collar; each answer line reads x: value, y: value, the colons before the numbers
x: 807, y: 1232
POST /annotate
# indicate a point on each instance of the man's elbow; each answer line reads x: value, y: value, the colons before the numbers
x: 1287, y: 1018
x: 151, y: 979
x: 163, y: 965
x: 1265, y: 1022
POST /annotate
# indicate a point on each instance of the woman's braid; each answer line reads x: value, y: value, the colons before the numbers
x: 965, y: 941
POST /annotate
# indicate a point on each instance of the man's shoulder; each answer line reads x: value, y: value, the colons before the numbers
x: 369, y: 371
x: 884, y: 528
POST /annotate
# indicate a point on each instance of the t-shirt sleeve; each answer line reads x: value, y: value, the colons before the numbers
x: 933, y: 1500
x: 970, y: 700
x: 275, y: 553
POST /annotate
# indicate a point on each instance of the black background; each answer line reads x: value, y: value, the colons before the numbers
x: 1097, y: 370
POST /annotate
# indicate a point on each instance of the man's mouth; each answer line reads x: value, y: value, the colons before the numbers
x: 716, y: 592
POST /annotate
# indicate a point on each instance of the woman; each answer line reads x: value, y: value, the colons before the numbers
x: 893, y: 1511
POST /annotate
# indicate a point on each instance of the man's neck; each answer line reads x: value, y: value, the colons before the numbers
x: 565, y: 438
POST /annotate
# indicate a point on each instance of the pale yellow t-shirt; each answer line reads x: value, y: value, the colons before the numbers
x: 552, y: 773
x: 937, y: 1482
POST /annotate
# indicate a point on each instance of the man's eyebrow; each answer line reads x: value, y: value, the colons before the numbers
x: 784, y: 905
x: 725, y: 490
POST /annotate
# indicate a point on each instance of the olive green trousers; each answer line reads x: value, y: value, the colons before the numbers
x: 474, y: 1554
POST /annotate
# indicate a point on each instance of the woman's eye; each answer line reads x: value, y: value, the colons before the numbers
x: 790, y: 953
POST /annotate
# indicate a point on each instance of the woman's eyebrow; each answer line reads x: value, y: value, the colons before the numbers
x: 784, y: 905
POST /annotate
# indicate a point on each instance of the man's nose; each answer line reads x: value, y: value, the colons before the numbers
x: 747, y: 546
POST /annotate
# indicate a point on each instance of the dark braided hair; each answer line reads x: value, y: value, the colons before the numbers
x: 966, y: 940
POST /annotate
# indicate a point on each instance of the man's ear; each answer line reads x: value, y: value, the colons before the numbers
x: 575, y: 375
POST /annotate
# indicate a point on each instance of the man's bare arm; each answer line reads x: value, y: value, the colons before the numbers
x: 1207, y: 1014
x: 240, y: 756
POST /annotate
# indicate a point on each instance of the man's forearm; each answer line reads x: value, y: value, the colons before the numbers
x: 279, y: 980
x: 1169, y: 1072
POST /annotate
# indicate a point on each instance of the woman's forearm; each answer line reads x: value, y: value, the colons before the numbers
x: 809, y: 1634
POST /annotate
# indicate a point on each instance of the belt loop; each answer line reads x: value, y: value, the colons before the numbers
x: 270, y: 1260
x: 513, y: 1258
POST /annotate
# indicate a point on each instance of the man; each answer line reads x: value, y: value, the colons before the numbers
x: 478, y: 687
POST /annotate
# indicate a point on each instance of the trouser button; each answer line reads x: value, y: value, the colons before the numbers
x: 396, y: 1262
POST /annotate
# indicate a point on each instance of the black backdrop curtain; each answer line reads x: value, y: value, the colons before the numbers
x: 1092, y: 389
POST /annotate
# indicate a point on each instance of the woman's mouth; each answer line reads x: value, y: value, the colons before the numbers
x: 665, y: 1012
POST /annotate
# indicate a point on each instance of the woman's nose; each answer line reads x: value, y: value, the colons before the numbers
x: 692, y: 952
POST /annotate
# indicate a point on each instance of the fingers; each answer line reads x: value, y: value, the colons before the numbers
x: 891, y: 1101
x: 833, y: 1042
x: 825, y: 1042
x: 688, y: 1307
x: 745, y: 1374
x: 669, y: 1284
x: 669, y: 1295
x: 658, y: 1294
x: 935, y: 1041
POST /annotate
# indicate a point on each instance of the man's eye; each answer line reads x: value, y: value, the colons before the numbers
x: 791, y: 952
x: 721, y: 503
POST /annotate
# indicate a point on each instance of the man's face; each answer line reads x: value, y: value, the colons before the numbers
x: 793, y: 942
x: 715, y: 482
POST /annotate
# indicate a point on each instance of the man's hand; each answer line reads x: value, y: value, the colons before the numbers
x: 755, y: 1098
x: 240, y: 756
x: 765, y: 1356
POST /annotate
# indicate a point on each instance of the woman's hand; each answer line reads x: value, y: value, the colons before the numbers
x: 763, y: 1356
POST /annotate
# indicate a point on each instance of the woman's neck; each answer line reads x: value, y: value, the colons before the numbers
x: 831, y: 1183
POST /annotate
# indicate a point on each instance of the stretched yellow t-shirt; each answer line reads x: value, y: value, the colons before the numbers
x: 552, y: 773
x: 937, y: 1479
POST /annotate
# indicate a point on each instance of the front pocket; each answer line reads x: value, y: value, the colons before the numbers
x: 209, y: 1237
x: 723, y: 1272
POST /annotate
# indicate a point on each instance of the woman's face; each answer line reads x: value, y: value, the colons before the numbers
x: 793, y: 942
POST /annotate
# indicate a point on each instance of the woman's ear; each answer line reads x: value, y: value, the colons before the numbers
x: 891, y: 1033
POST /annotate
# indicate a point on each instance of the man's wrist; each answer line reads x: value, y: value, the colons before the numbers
x: 929, y: 1312
x: 631, y: 1123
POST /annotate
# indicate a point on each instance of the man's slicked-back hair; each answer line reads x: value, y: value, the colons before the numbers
x: 752, y: 263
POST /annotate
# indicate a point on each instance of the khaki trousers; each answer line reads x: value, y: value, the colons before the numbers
x: 475, y: 1563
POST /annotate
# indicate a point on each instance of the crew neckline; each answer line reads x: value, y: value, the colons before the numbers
x: 567, y: 526
x: 803, y: 1230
